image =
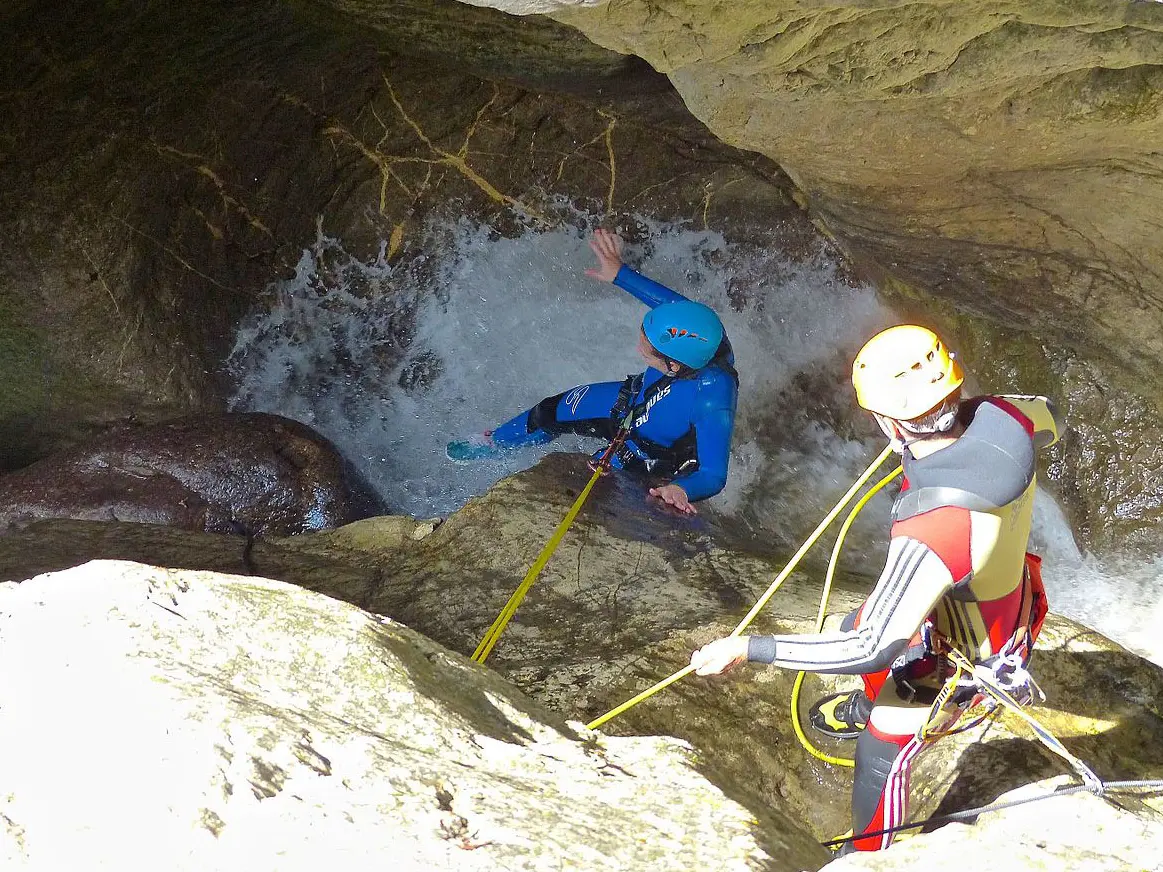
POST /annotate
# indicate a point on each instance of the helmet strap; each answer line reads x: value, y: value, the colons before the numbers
x: 891, y: 429
x: 900, y: 437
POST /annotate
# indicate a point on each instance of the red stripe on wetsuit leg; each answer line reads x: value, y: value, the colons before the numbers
x: 946, y: 532
x: 890, y: 758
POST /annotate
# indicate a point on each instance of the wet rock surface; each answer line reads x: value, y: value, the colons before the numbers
x: 629, y: 594
x: 244, y: 723
x: 247, y: 474
x: 166, y: 163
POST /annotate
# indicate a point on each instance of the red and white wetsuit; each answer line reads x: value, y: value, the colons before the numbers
x: 957, y: 565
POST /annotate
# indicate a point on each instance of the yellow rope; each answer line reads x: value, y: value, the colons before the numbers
x: 490, y: 639
x: 831, y: 574
x: 779, y: 580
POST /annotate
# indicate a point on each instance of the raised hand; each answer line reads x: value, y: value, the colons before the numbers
x: 608, y: 247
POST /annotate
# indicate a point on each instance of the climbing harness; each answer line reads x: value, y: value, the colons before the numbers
x: 762, y: 601
x: 600, y: 467
x: 999, y: 683
x: 642, y: 454
x: 1001, y: 679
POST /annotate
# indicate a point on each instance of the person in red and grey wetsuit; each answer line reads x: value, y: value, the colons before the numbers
x: 957, y: 572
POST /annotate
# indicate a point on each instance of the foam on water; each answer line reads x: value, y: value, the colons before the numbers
x: 500, y: 323
x: 392, y: 362
x: 1121, y: 596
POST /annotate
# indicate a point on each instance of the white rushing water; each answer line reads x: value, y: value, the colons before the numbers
x: 499, y: 324
x: 392, y: 362
x: 1121, y: 596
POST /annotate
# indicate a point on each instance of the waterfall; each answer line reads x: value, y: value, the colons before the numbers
x: 392, y: 360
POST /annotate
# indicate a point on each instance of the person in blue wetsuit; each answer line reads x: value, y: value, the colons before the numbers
x: 681, y: 410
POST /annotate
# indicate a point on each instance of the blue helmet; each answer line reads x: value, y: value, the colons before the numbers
x: 685, y: 331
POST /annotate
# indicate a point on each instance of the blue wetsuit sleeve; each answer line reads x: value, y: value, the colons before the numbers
x: 647, y: 290
x: 714, y: 420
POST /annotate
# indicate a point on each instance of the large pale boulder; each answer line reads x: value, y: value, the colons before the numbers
x: 192, y: 721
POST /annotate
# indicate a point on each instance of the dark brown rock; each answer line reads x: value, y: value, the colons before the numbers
x: 250, y: 474
x: 164, y: 164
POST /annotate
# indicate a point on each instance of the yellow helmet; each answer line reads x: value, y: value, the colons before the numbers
x: 904, y: 371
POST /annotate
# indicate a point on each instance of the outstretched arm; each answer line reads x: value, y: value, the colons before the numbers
x: 913, y: 581
x: 608, y: 248
x: 647, y: 290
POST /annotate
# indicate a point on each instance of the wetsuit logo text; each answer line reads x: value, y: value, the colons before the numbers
x: 645, y: 416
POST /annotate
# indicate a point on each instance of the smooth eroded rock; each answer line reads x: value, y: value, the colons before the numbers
x: 1001, y: 154
x: 236, y: 473
x: 194, y: 721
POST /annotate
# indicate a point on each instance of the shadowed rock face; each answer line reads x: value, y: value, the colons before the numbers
x: 1003, y: 154
x: 533, y: 50
x: 247, y: 473
x: 165, y: 163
